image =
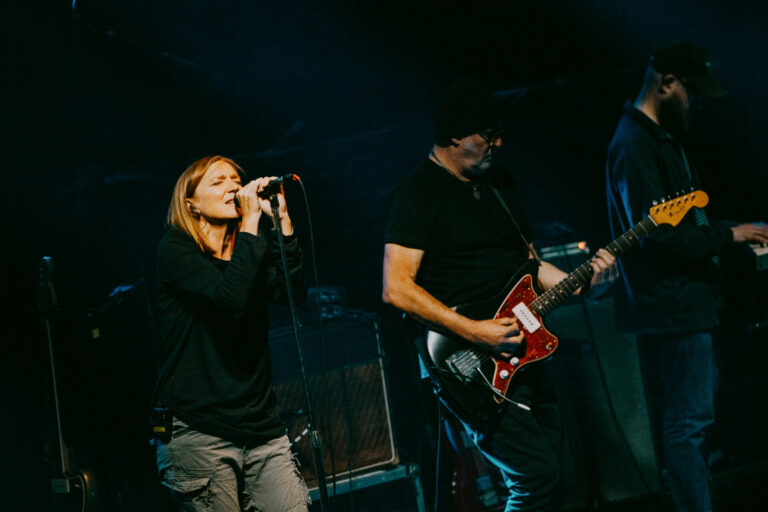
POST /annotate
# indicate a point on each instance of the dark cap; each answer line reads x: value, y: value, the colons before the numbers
x: 689, y: 64
x: 466, y: 107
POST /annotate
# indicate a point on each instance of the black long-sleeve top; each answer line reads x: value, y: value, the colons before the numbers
x: 222, y: 382
x: 670, y: 282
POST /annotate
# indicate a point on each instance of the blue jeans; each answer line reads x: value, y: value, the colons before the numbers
x: 528, y: 445
x: 679, y: 373
x: 206, y: 473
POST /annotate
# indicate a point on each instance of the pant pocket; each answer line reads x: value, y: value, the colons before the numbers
x: 188, y: 485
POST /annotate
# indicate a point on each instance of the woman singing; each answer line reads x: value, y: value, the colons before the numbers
x: 218, y: 264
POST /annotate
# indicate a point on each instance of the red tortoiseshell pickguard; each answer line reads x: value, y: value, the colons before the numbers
x: 538, y: 345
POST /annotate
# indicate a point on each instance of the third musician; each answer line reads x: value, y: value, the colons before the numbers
x: 670, y: 285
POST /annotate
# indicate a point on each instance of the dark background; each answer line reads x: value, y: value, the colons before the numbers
x: 104, y: 105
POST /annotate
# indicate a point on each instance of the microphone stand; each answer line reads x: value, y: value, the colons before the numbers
x: 314, y: 435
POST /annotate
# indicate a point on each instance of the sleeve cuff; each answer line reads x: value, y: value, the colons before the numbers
x: 725, y: 233
x: 255, y: 242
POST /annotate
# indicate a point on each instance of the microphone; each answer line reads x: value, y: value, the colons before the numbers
x: 273, y: 187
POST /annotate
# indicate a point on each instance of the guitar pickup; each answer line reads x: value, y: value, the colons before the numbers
x: 526, y: 317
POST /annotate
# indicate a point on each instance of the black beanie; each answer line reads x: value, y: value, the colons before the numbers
x: 466, y: 107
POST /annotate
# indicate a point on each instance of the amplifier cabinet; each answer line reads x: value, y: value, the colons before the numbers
x: 350, y: 399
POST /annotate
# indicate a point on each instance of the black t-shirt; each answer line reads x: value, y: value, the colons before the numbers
x: 221, y: 383
x: 472, y: 248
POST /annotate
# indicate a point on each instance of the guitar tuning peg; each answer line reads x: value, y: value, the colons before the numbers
x: 655, y: 202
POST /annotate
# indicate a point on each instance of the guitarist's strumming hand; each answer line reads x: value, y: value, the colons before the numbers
x: 499, y: 335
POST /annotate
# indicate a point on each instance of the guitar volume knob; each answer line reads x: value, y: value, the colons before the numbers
x: 515, y: 361
x: 504, y: 374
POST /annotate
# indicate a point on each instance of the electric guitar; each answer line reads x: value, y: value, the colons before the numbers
x: 474, y: 382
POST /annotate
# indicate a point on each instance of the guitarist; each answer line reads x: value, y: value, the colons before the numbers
x: 450, y: 239
x: 670, y: 295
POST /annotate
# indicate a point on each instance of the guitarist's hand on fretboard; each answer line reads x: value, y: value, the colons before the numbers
x: 606, y: 271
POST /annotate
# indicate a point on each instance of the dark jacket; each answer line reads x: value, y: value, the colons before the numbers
x: 669, y: 283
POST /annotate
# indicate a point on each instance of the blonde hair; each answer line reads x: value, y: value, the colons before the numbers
x: 179, y: 214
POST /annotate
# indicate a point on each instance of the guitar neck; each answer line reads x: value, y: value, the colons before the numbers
x: 549, y: 300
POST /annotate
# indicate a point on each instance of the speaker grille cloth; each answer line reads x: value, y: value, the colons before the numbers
x: 351, y: 412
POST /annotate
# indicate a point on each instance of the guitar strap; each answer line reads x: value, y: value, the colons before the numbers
x: 514, y: 221
x: 584, y: 288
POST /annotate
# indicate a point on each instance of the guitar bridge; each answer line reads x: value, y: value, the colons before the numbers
x: 464, y: 365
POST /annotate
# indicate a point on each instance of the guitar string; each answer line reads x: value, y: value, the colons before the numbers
x: 567, y: 286
x: 550, y: 299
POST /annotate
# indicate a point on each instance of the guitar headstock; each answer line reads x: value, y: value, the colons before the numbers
x: 672, y: 211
